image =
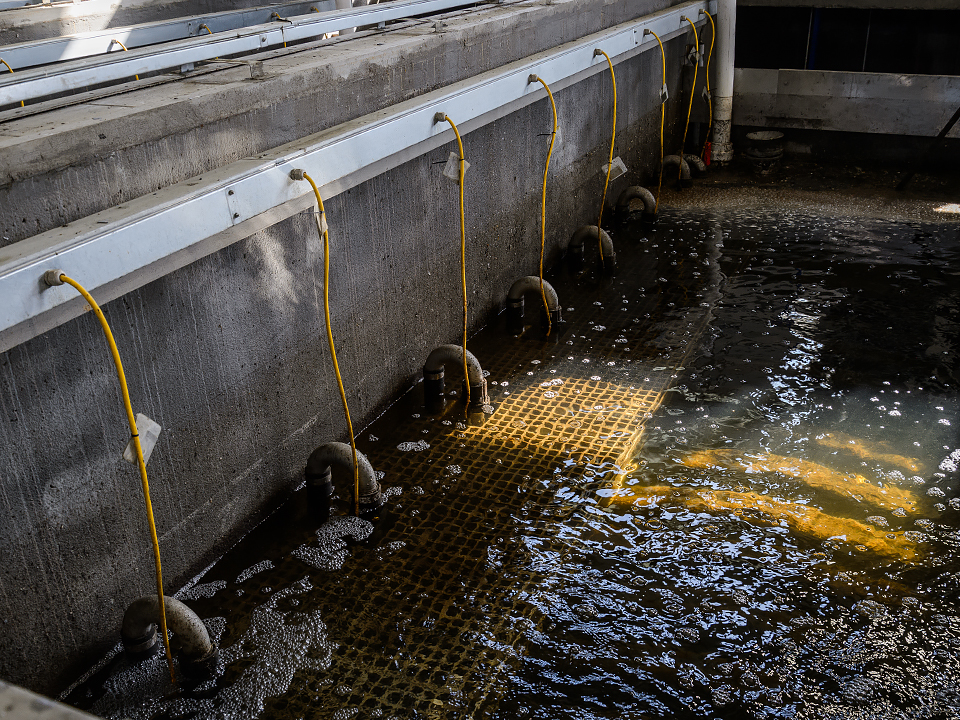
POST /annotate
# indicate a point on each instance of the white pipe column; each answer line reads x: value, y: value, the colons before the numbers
x: 722, y: 147
x: 346, y: 5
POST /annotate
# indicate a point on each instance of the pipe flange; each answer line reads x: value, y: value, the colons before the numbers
x: 140, y: 648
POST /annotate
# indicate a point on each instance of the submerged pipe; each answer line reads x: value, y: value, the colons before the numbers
x: 590, y: 232
x: 696, y: 164
x: 319, y: 474
x: 635, y: 192
x: 433, y: 380
x: 523, y: 286
x: 686, y: 179
x: 198, y: 653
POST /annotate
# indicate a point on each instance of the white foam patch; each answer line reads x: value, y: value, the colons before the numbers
x: 413, y: 446
x: 951, y: 462
x: 253, y: 570
x: 203, y: 590
x: 331, y: 551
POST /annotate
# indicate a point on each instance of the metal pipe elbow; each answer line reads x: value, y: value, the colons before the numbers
x: 433, y: 376
x: 444, y: 354
x: 591, y: 232
x: 531, y: 284
x: 635, y: 192
x: 139, y: 633
x: 686, y: 179
x: 697, y: 166
x: 319, y: 472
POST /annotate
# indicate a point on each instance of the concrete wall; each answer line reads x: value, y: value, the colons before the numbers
x: 228, y: 354
x: 884, y: 103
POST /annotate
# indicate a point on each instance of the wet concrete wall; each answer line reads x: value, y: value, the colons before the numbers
x: 229, y: 354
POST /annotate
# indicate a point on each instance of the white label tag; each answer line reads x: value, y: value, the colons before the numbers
x: 321, y: 218
x: 148, y: 431
x: 452, y: 168
x: 617, y: 168
x: 664, y: 94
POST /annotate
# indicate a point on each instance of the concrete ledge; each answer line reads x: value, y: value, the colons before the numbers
x: 19, y: 704
x: 890, y: 104
x: 46, y: 21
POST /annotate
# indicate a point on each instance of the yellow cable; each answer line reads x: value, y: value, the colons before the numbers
x: 333, y: 352
x: 713, y: 39
x: 463, y: 258
x: 206, y: 27
x: 125, y: 50
x: 613, y: 137
x: 280, y: 19
x: 11, y: 70
x: 696, y: 45
x: 140, y: 462
x: 663, y: 105
x: 543, y: 205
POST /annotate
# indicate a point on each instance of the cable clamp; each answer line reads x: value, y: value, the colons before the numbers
x: 707, y: 95
x: 53, y: 277
x: 664, y: 94
x: 440, y: 117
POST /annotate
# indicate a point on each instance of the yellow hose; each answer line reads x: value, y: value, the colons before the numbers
x: 696, y: 45
x: 333, y: 352
x: 125, y: 50
x: 663, y: 105
x: 11, y: 70
x: 140, y: 462
x: 613, y: 137
x: 543, y: 205
x: 713, y: 39
x: 280, y: 19
x: 463, y: 259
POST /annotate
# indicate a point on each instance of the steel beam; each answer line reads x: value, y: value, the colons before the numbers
x: 100, y: 42
x: 125, y: 247
x: 78, y: 74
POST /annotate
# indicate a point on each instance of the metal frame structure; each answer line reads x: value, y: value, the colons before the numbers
x: 39, y: 82
x: 125, y: 247
x: 100, y: 42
